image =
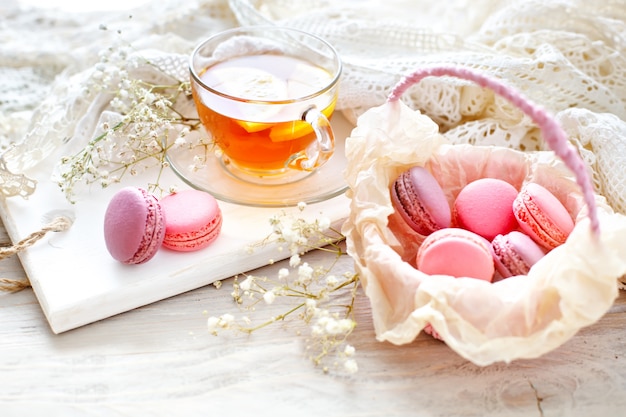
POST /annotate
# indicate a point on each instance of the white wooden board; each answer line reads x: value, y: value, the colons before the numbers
x: 77, y: 282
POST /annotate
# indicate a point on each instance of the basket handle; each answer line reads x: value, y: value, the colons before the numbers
x: 551, y: 130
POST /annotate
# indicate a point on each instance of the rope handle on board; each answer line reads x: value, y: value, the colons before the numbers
x: 58, y: 224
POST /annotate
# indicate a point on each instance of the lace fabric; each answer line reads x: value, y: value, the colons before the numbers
x: 568, y: 55
x: 563, y: 54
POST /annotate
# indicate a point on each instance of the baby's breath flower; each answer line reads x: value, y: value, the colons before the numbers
x: 323, y: 223
x: 213, y: 324
x: 305, y: 273
x: 246, y: 284
x: 349, y: 350
x: 324, y: 301
x: 311, y: 303
x: 289, y: 235
x: 146, y: 116
x: 331, y: 281
x: 294, y: 260
x: 180, y: 142
x: 225, y: 321
x: 351, y: 366
x: 283, y: 273
x: 269, y: 297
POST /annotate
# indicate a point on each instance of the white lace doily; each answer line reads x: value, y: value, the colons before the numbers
x: 568, y: 55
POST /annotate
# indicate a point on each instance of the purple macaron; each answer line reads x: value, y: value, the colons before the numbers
x: 134, y: 226
x: 419, y: 199
x: 515, y: 253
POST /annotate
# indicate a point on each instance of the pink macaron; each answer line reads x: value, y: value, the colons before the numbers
x: 542, y: 216
x: 458, y: 253
x: 134, y: 226
x: 418, y: 198
x: 485, y: 207
x: 194, y: 220
x: 515, y: 253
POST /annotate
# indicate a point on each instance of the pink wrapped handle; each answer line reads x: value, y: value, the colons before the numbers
x: 552, y: 132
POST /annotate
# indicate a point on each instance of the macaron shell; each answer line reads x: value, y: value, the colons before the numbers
x: 419, y: 199
x: 542, y: 216
x: 485, y: 207
x: 515, y: 253
x: 458, y: 253
x: 194, y: 220
x: 134, y: 226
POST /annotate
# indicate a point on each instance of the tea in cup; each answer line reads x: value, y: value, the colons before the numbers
x: 265, y: 95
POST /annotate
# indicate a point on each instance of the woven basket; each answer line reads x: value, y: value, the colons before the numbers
x: 518, y: 317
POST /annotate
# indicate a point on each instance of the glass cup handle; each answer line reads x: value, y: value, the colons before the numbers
x: 320, y: 150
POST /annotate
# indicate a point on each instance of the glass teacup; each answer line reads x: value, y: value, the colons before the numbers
x: 265, y: 95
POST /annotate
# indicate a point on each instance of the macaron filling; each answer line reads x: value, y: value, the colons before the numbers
x: 151, y: 240
x: 412, y: 210
x: 194, y: 240
x: 539, y: 224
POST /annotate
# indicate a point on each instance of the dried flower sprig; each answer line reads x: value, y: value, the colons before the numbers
x: 141, y: 120
x: 322, y: 300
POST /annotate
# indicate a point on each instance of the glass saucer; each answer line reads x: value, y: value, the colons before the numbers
x: 211, y: 176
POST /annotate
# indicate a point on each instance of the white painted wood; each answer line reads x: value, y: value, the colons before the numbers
x: 76, y: 280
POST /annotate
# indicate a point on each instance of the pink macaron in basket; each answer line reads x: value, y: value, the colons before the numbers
x: 539, y: 298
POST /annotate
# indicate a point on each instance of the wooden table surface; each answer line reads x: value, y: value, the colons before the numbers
x: 160, y: 360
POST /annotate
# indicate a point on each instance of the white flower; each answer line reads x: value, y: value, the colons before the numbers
x: 117, y: 104
x: 180, y: 142
x: 331, y: 281
x: 161, y: 104
x: 335, y: 327
x: 289, y: 235
x: 301, y: 205
x: 149, y: 97
x: 323, y: 223
x: 305, y: 273
x: 317, y: 330
x: 269, y: 297
x: 310, y: 304
x: 125, y: 84
x: 283, y: 273
x: 246, y: 284
x: 213, y: 323
x: 349, y: 350
x: 226, y: 320
x: 294, y: 260
x: 351, y: 366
